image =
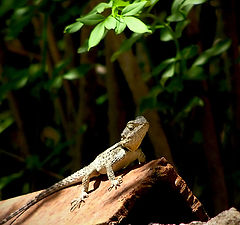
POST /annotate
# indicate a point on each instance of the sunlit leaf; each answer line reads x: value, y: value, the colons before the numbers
x: 73, y: 27
x: 120, y: 3
x: 101, y: 7
x: 136, y: 25
x: 133, y: 8
x: 193, y: 2
x: 91, y: 19
x: 110, y: 22
x: 120, y: 25
x: 176, y: 5
x: 96, y: 35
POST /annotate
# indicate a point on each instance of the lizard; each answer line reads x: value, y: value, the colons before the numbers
x: 117, y: 157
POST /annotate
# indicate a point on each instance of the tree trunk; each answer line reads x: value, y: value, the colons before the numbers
x: 116, y: 116
x: 215, y: 167
x: 139, y: 89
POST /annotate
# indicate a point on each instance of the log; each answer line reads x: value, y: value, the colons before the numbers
x: 153, y: 192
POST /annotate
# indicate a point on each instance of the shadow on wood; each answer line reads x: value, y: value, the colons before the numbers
x: 153, y: 192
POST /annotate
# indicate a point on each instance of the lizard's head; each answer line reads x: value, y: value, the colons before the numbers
x: 134, y: 133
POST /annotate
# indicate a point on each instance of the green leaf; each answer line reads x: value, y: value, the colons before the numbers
x: 165, y: 34
x: 4, y: 181
x: 91, y: 19
x: 190, y: 51
x: 72, y: 75
x: 197, y: 137
x: 83, y: 48
x: 120, y: 25
x: 21, y: 82
x: 158, y: 69
x: 180, y: 27
x: 33, y: 162
x: 195, y: 73
x: 176, y: 5
x: 193, y: 2
x: 184, y: 113
x: 133, y: 8
x: 150, y: 101
x: 7, y: 5
x: 73, y: 27
x: 6, y: 120
x: 174, y: 85
x: 101, y: 7
x: 169, y: 72
x: 120, y: 3
x: 217, y: 49
x: 126, y: 45
x: 110, y: 22
x: 78, y: 72
x: 16, y: 80
x: 96, y: 35
x: 101, y: 99
x: 83, y: 129
x: 175, y: 17
x: 136, y: 25
x: 54, y: 83
x: 151, y: 3
x: 181, y: 8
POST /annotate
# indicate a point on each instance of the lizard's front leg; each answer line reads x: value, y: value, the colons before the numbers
x: 114, y: 182
x: 140, y: 156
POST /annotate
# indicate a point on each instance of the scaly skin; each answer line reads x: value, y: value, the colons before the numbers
x: 113, y: 159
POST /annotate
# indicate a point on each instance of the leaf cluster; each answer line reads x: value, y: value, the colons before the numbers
x: 123, y: 14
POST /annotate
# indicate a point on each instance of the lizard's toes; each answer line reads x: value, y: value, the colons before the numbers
x: 115, y: 183
x: 77, y: 202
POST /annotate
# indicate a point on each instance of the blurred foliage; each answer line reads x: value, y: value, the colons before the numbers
x: 42, y: 73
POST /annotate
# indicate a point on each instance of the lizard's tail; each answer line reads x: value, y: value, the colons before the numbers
x: 21, y: 210
x: 68, y: 181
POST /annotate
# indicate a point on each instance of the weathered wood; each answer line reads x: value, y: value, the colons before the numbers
x: 153, y: 191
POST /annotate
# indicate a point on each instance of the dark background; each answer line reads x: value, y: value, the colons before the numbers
x: 50, y: 127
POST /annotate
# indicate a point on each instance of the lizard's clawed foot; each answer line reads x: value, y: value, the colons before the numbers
x: 77, y: 202
x: 115, y: 183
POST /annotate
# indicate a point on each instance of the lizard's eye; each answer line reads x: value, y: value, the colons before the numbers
x: 130, y: 126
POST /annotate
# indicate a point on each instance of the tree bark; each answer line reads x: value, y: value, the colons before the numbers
x: 116, y: 116
x: 139, y: 89
x: 215, y: 167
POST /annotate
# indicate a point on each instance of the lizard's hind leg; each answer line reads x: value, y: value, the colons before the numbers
x: 76, y: 203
